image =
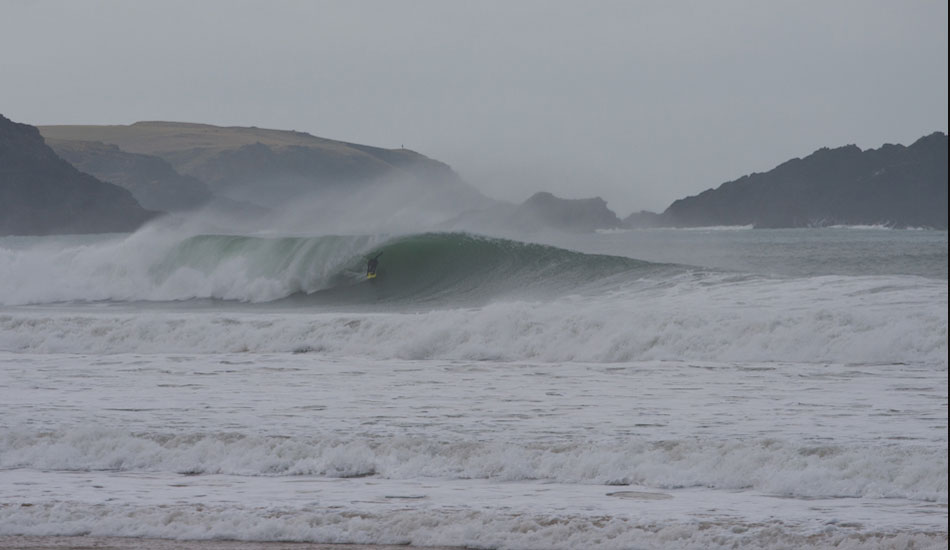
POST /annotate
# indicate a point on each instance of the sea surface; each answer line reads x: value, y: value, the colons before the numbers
x: 707, y: 388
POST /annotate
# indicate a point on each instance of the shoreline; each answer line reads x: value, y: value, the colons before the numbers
x: 54, y: 542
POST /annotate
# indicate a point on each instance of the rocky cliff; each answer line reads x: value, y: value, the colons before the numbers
x: 42, y: 194
x: 152, y: 181
x: 895, y: 185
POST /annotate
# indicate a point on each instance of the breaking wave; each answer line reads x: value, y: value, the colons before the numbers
x: 688, y: 317
x: 433, y: 268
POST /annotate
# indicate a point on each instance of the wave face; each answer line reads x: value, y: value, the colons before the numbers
x: 454, y: 268
x: 427, y: 269
x: 534, y: 302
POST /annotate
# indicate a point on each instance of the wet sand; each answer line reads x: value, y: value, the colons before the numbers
x: 124, y: 543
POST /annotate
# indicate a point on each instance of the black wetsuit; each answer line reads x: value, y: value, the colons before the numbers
x: 372, y: 263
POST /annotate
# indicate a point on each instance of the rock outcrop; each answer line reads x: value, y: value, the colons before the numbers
x: 42, y: 194
x: 895, y: 185
x: 578, y: 215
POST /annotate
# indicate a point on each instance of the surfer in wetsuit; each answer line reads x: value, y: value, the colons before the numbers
x: 372, y: 263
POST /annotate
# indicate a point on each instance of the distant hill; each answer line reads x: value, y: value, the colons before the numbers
x: 582, y: 215
x: 540, y: 212
x: 266, y: 167
x: 152, y: 181
x: 177, y: 166
x: 41, y: 194
x: 895, y: 185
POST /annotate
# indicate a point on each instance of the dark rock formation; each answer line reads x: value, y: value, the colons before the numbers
x: 894, y: 185
x: 42, y: 194
x: 152, y: 181
x: 644, y: 218
x: 546, y: 210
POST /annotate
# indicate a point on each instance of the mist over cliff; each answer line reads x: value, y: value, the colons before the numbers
x: 283, y: 180
x: 264, y: 166
x: 152, y: 180
x: 275, y: 180
x: 42, y: 194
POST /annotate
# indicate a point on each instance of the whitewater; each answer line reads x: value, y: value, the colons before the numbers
x: 717, y: 388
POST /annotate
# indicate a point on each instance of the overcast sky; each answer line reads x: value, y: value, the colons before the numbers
x: 639, y: 102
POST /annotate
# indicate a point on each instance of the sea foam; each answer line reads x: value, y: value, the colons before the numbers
x: 770, y: 466
x: 435, y: 526
x: 836, y: 319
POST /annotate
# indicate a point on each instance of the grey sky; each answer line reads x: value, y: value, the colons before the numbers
x: 640, y: 102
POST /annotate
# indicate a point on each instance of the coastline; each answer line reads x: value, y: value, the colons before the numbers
x: 17, y: 542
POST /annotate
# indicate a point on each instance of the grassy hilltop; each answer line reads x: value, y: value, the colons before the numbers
x: 257, y: 165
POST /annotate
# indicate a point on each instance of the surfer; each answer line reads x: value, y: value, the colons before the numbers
x: 371, y: 265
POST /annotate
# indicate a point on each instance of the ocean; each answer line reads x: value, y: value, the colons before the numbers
x: 669, y: 389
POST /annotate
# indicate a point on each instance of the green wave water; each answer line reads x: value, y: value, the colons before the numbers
x: 429, y: 268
